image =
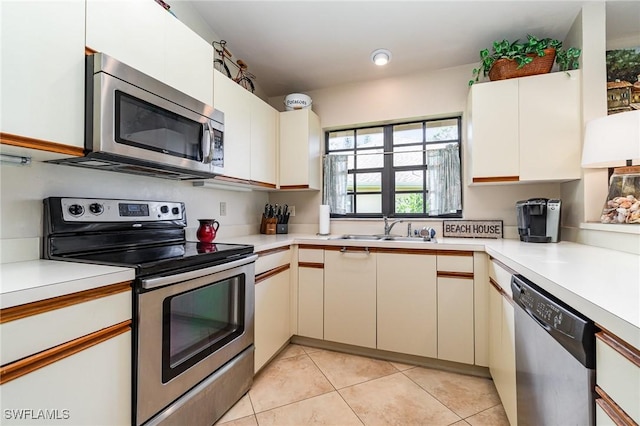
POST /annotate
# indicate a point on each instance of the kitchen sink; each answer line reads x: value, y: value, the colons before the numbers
x: 354, y: 237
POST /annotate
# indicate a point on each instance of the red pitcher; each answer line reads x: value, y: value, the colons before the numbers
x: 206, y: 232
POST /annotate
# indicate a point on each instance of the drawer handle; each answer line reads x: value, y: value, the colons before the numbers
x: 346, y: 250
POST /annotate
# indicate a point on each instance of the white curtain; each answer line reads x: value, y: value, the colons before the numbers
x: 335, y: 183
x: 443, y: 178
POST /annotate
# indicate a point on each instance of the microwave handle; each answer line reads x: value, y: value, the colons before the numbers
x: 207, y: 148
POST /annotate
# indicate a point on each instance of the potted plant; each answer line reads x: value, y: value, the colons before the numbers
x: 518, y: 59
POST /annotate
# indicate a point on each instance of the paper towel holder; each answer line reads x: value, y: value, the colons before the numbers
x: 324, y: 220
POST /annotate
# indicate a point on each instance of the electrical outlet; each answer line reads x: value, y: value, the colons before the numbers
x: 223, y: 208
x: 292, y: 210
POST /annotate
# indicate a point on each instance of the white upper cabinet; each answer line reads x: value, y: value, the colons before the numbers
x: 300, y: 161
x: 42, y: 74
x: 233, y: 100
x: 143, y: 35
x: 264, y: 135
x: 525, y: 129
x: 250, y: 133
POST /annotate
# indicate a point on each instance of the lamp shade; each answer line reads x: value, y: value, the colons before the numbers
x: 612, y: 140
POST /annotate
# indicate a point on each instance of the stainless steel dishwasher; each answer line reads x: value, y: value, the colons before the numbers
x: 555, y: 359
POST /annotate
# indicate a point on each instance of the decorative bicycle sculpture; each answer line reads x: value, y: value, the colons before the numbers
x: 243, y: 77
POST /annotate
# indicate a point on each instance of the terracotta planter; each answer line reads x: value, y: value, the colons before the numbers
x: 503, y: 69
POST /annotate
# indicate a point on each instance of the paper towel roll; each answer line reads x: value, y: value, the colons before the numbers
x: 324, y: 219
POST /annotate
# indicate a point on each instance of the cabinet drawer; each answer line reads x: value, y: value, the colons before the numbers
x: 40, y: 331
x: 268, y: 260
x: 92, y: 386
x: 311, y: 256
x: 456, y: 263
x: 617, y: 375
x: 501, y: 276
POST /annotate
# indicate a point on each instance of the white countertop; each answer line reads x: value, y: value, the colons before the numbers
x: 33, y: 280
x: 602, y: 284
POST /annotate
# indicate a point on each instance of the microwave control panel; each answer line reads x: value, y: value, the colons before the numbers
x: 106, y: 210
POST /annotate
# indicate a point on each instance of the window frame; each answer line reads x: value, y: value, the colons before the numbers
x: 388, y: 170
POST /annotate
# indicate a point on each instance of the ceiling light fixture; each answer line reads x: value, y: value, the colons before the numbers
x: 381, y: 57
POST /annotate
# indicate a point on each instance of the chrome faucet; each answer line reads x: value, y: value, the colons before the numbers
x: 387, y: 227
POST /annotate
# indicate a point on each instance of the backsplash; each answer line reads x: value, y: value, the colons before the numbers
x: 22, y: 189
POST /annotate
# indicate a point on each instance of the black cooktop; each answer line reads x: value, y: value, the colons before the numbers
x: 156, y: 260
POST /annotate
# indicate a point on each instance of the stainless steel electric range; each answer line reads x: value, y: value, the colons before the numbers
x: 193, y: 313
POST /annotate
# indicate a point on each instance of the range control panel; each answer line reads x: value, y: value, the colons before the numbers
x: 106, y: 210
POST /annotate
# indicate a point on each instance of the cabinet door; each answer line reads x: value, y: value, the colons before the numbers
x: 406, y: 304
x: 264, y: 131
x: 508, y: 348
x: 233, y: 100
x: 311, y: 302
x: 493, y: 135
x: 131, y: 31
x: 188, y: 60
x: 350, y: 297
x: 550, y: 126
x: 90, y: 387
x: 272, y: 317
x: 300, y: 137
x: 455, y: 320
x: 42, y: 76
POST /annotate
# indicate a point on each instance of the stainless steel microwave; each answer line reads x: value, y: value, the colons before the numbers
x: 137, y: 124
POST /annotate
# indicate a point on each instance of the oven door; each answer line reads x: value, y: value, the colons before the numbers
x: 190, y: 325
x: 132, y: 122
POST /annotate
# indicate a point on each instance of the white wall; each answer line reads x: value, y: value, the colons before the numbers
x: 434, y: 94
x: 22, y: 189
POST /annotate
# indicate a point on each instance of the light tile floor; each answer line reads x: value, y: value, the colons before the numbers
x: 306, y: 385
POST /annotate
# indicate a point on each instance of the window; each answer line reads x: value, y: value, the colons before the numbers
x: 408, y: 170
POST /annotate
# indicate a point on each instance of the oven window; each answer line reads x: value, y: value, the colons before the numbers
x: 199, y: 322
x: 144, y: 125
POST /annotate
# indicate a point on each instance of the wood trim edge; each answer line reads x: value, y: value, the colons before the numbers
x: 448, y: 274
x: 41, y: 306
x: 271, y: 272
x: 496, y: 179
x: 37, y: 361
x: 460, y: 253
x: 500, y: 290
x: 612, y: 409
x: 402, y: 251
x: 285, y: 187
x: 313, y: 265
x: 623, y: 348
x: 272, y: 250
x: 40, y: 144
x: 503, y: 266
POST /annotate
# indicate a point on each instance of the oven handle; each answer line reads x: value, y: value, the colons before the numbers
x: 191, y: 275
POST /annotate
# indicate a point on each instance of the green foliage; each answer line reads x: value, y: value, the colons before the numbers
x: 519, y: 52
x: 623, y: 65
x: 409, y: 203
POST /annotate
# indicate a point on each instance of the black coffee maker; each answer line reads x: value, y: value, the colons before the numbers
x: 539, y: 220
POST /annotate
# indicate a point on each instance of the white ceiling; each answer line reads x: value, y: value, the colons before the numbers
x: 298, y: 46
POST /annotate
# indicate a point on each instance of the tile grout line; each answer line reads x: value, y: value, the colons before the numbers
x: 432, y: 395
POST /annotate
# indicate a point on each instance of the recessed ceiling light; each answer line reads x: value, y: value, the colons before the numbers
x: 380, y: 57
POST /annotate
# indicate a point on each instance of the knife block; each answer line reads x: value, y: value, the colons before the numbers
x: 268, y: 225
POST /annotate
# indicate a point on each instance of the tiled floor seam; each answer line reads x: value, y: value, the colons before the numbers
x: 255, y: 413
x: 481, y: 411
x: 438, y: 399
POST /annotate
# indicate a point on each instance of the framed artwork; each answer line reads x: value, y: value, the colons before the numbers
x: 623, y: 79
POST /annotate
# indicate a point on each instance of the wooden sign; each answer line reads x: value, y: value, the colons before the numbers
x: 472, y: 228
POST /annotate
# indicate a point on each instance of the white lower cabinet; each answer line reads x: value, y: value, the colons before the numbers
x: 502, y: 346
x: 350, y: 297
x: 617, y: 380
x: 406, y: 303
x: 455, y: 320
x: 91, y: 387
x: 272, y: 327
x: 311, y: 302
